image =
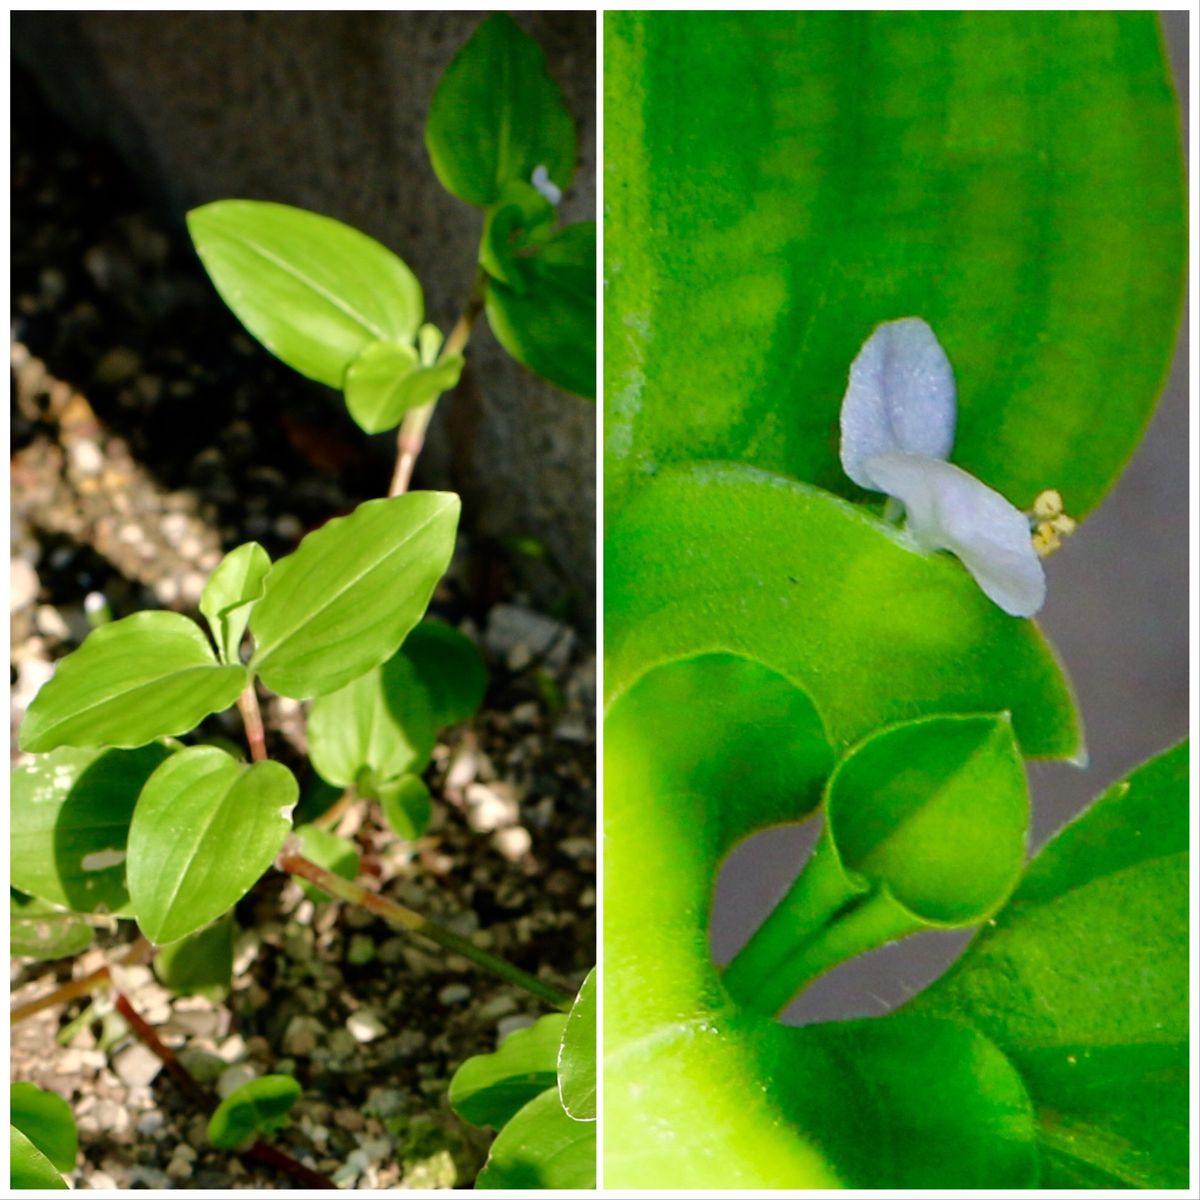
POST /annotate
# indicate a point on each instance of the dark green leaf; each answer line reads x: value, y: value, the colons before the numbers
x: 577, y: 1055
x: 201, y: 963
x: 520, y: 220
x: 232, y: 590
x: 451, y: 668
x: 549, y: 325
x: 29, y: 1168
x: 489, y: 1089
x: 382, y: 723
x: 327, y: 850
x: 1082, y: 980
x: 497, y: 114
x: 406, y: 805
x: 260, y: 1106
x: 541, y: 1147
x: 343, y: 602
x: 315, y: 292
x: 69, y: 823
x: 205, y: 829
x: 148, y: 676
x: 45, y: 1118
x: 788, y: 180
x: 44, y: 931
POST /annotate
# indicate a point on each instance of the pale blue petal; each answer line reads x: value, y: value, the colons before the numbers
x: 949, y: 509
x: 900, y: 398
x: 545, y: 185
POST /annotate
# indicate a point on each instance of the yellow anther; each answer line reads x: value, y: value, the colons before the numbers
x: 1046, y: 540
x: 1063, y: 524
x: 1048, y: 505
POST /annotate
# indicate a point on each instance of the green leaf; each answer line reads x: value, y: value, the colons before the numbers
x: 725, y: 558
x: 1014, y: 178
x: 496, y: 115
x: 327, y: 850
x: 44, y: 931
x: 381, y: 723
x: 541, y: 1147
x: 451, y: 668
x: 549, y: 325
x: 520, y: 220
x: 70, y: 814
x: 260, y: 1106
x: 147, y: 676
x: 406, y: 805
x: 1082, y: 980
x: 29, y: 1168
x: 45, y: 1118
x: 387, y: 380
x: 350, y: 593
x: 200, y: 964
x: 489, y: 1089
x: 313, y: 291
x: 230, y: 594
x: 577, y: 1055
x: 205, y: 829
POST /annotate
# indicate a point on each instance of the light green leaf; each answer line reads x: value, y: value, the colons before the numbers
x: 205, y: 829
x: 724, y: 558
x: 450, y: 666
x: 497, y: 114
x: 29, y: 1168
x: 382, y: 723
x: 39, y: 930
x: 549, y: 325
x: 489, y: 1089
x: 1014, y: 178
x: 147, y: 676
x: 387, y: 380
x: 577, y: 1055
x: 313, y: 291
x: 45, y: 1118
x: 348, y: 596
x: 336, y: 854
x: 1082, y: 980
x: 260, y: 1106
x: 70, y: 814
x: 201, y: 963
x: 406, y: 805
x: 541, y: 1147
x: 232, y: 590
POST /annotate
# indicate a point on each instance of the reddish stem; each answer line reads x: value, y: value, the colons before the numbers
x: 252, y: 720
x: 140, y: 951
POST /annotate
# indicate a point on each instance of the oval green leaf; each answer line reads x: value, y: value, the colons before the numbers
x: 387, y: 380
x: 716, y: 557
x: 489, y: 1089
x: 69, y: 824
x: 260, y: 1106
x: 29, y: 1168
x: 549, y: 324
x: 336, y: 854
x: 147, y: 676
x: 541, y: 1147
x: 1082, y: 980
x: 1028, y: 205
x: 200, y: 964
x: 313, y: 291
x: 382, y: 723
x: 205, y: 829
x: 521, y: 219
x: 452, y: 669
x: 39, y: 930
x: 45, y: 1118
x: 406, y: 805
x: 232, y: 590
x: 350, y: 593
x: 577, y: 1055
x: 496, y: 115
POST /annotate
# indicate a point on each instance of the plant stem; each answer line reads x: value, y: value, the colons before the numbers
x: 256, y: 736
x: 407, y: 918
x: 411, y: 438
x: 270, y: 1155
x: 139, y: 952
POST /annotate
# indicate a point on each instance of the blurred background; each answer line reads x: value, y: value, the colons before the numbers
x: 1117, y: 612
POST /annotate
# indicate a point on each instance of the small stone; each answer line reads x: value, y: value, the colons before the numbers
x: 365, y: 1025
x: 454, y: 993
x: 288, y: 528
x: 148, y: 1177
x: 136, y: 1065
x: 149, y: 1123
x: 204, y: 1066
x: 499, y: 1006
x: 514, y: 842
x: 100, y: 1181
x: 118, y: 366
x: 23, y: 584
x: 180, y: 1168
x: 300, y: 1037
x: 111, y: 1117
x: 490, y: 807
x: 512, y: 1024
x: 235, y: 1077
x: 361, y: 950
x: 232, y: 1049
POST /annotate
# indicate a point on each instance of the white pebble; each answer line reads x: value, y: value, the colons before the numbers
x: 365, y: 1025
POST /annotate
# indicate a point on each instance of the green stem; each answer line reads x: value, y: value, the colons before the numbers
x: 411, y: 438
x: 407, y: 918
